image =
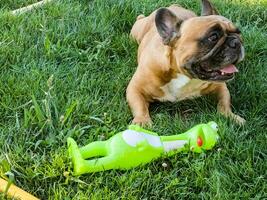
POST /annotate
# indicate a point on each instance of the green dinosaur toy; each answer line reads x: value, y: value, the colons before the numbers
x: 136, y: 146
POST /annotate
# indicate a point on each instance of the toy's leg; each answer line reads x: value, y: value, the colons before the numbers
x: 82, y: 166
x: 95, y: 165
x: 93, y: 149
x: 75, y: 155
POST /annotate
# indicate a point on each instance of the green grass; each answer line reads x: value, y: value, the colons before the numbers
x: 64, y: 71
x: 11, y: 4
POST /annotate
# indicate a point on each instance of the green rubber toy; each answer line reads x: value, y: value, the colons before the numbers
x: 137, y: 146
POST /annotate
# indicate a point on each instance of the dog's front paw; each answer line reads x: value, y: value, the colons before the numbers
x: 228, y: 113
x: 239, y: 120
x: 142, y: 121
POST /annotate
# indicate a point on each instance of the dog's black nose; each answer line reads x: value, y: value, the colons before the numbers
x: 233, y: 42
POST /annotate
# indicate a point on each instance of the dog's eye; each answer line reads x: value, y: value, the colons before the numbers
x: 213, y: 37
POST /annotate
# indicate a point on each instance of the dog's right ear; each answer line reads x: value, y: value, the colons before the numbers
x: 168, y: 25
x: 208, y: 8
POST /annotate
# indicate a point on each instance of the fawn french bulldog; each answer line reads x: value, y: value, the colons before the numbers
x: 181, y: 56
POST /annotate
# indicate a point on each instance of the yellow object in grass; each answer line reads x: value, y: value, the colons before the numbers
x: 15, y: 192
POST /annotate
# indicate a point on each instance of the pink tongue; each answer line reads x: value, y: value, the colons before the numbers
x: 229, y: 69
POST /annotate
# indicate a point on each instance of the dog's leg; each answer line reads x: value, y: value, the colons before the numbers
x: 224, y: 103
x: 139, y: 106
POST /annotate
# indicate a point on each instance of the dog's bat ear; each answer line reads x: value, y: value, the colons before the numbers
x: 168, y: 25
x: 208, y: 8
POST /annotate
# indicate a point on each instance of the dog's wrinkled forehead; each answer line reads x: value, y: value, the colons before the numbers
x: 197, y: 26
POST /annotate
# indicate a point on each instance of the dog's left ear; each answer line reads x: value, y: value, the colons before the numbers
x: 208, y: 8
x: 168, y: 25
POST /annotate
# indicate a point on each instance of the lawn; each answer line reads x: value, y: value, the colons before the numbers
x: 64, y: 71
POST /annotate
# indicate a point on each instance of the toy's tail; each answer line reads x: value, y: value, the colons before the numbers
x: 75, y: 155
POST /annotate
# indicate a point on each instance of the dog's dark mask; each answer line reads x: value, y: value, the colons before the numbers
x: 219, y: 52
x: 207, y: 47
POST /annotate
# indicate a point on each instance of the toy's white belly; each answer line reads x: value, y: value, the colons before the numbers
x: 132, y: 138
x: 182, y: 87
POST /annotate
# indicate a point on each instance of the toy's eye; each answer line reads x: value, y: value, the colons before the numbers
x: 214, y: 126
x: 199, y: 141
x: 213, y: 37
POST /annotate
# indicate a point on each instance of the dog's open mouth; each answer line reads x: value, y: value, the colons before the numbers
x: 222, y: 74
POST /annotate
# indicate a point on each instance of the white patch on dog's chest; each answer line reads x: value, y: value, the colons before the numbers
x: 182, y: 88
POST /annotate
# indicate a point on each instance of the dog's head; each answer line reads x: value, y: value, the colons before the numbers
x: 205, y: 47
